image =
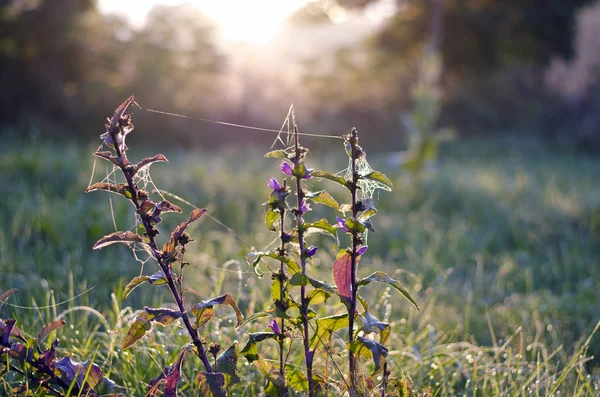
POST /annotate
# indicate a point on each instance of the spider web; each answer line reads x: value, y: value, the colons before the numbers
x: 144, y: 181
x: 287, y: 129
x: 367, y: 186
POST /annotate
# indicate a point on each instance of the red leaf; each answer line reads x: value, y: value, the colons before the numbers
x: 342, y: 274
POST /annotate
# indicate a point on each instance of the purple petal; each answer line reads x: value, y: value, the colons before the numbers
x: 286, y: 168
x: 273, y: 184
x: 362, y: 250
x: 342, y: 224
x: 305, y: 207
x: 274, y: 326
x: 311, y: 251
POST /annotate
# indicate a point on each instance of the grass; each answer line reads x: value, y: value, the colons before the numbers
x: 500, y: 246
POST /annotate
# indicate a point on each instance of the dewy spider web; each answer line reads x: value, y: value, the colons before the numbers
x: 144, y: 181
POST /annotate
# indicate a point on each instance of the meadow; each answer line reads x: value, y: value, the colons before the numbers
x: 499, y: 243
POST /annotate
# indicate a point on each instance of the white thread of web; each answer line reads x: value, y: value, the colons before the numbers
x: 288, y: 124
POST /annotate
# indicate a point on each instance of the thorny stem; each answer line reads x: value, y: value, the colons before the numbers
x: 281, y: 292
x: 150, y: 232
x: 304, y: 302
x: 351, y: 358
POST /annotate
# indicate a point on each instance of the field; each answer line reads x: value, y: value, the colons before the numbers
x: 499, y: 243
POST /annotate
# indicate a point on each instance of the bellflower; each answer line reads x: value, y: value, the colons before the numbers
x: 273, y: 184
x: 274, y: 326
x: 361, y: 250
x: 305, y: 207
x: 311, y: 251
x: 286, y: 168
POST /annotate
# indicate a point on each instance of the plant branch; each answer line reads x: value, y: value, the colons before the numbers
x: 351, y: 357
x: 303, y: 300
x: 281, y: 293
x: 128, y: 172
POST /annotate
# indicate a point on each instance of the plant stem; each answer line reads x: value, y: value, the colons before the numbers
x: 304, y: 303
x: 281, y: 294
x: 150, y: 232
x: 351, y: 358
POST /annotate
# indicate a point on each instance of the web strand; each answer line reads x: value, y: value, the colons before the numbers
x: 248, y: 127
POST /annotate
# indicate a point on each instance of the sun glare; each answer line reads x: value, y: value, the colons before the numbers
x: 238, y: 20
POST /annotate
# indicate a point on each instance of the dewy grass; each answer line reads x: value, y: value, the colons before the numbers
x: 457, y: 218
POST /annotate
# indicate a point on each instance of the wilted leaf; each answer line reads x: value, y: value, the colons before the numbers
x: 337, y: 179
x: 210, y: 384
x: 342, y: 274
x: 74, y: 371
x: 322, y: 197
x: 377, y: 351
x: 196, y: 214
x: 174, y: 375
x: 120, y: 188
x: 250, y: 351
x: 48, y: 328
x: 381, y: 178
x: 158, y: 278
x: 227, y: 362
x: 8, y: 328
x: 148, y: 161
x: 4, y: 296
x: 167, y: 206
x: 137, y: 330
x: 372, y: 324
x: 162, y: 316
x: 118, y: 237
x: 326, y: 326
x: 204, y: 310
x: 384, y: 278
x: 108, y: 156
x: 134, y: 283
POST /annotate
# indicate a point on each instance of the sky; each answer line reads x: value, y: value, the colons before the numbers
x: 253, y: 21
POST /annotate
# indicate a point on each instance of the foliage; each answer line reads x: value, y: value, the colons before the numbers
x: 494, y: 218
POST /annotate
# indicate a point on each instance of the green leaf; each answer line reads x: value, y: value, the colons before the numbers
x: 354, y: 225
x: 271, y: 220
x: 255, y: 316
x: 337, y: 179
x: 137, y: 330
x: 379, y: 177
x: 227, y: 362
x: 158, y: 278
x: 326, y: 326
x: 110, y: 187
x: 277, y: 154
x: 318, y: 226
x: 250, y: 351
x: 369, y: 348
x: 381, y: 277
x: 118, y: 237
x: 204, y: 310
x: 254, y: 258
x: 299, y: 279
x: 317, y: 296
x: 162, y: 316
x: 210, y: 384
x: 276, y: 383
x: 133, y: 284
x: 322, y: 197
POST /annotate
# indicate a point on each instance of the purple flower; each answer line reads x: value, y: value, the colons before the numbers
x: 311, y: 251
x: 305, y: 207
x: 286, y: 168
x: 342, y: 224
x: 273, y: 184
x: 308, y: 173
x: 274, y: 326
x: 361, y: 250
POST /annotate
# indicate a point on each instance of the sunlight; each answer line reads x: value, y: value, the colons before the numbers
x: 251, y: 21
